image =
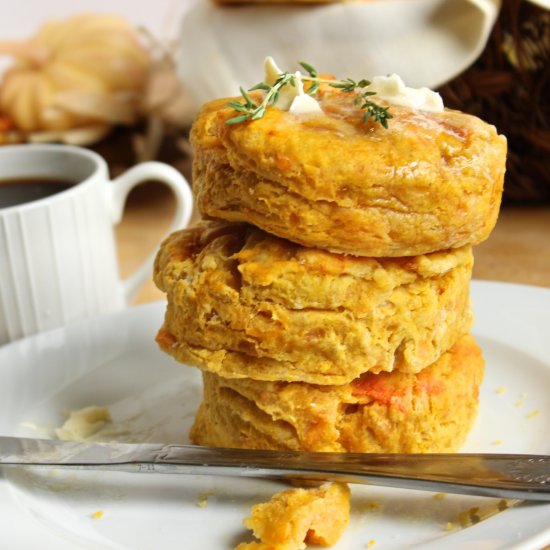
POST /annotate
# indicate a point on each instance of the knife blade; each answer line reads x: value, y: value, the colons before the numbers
x: 517, y: 476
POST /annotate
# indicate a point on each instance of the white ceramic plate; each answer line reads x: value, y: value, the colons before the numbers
x: 114, y: 361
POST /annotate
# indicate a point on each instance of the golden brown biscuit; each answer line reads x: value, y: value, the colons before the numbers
x: 243, y: 303
x: 431, y: 181
x: 431, y: 411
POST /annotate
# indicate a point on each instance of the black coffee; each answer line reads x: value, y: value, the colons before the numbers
x: 21, y: 190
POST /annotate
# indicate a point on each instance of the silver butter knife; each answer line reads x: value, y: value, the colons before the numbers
x: 515, y: 476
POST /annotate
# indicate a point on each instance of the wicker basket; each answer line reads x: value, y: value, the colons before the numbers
x: 509, y: 86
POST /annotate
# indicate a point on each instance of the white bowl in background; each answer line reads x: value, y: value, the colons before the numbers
x: 426, y: 42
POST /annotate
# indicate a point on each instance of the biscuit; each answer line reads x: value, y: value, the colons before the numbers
x: 431, y: 411
x: 293, y: 517
x: 243, y: 303
x: 431, y: 181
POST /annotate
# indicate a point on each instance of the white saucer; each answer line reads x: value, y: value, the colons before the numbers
x: 114, y: 361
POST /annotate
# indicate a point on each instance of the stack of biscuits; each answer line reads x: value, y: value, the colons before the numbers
x: 325, y: 295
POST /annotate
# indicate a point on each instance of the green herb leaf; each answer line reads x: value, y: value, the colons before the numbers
x: 259, y: 113
x: 247, y: 98
x: 309, y: 68
x: 237, y: 106
x: 314, y: 88
x: 260, y: 86
x: 237, y: 119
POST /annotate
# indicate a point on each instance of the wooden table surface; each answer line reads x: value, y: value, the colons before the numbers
x: 518, y: 250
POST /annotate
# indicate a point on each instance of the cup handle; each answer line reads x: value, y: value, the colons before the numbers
x: 119, y: 189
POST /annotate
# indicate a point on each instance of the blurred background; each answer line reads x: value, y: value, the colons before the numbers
x: 161, y: 17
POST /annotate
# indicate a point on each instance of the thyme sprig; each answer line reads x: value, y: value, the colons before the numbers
x: 253, y: 111
x: 250, y: 110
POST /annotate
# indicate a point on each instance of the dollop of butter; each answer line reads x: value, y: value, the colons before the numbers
x: 83, y: 423
x: 392, y: 89
x: 291, y: 98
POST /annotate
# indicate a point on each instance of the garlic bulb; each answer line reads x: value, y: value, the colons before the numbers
x: 81, y: 74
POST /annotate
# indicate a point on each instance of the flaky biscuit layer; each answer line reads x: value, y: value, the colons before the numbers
x: 243, y: 303
x: 431, y: 411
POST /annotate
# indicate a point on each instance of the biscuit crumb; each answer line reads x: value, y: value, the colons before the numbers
x: 469, y: 517
x: 533, y: 414
x: 203, y: 498
x: 97, y: 514
x: 370, y: 506
x: 440, y: 496
x: 477, y: 514
x: 295, y: 517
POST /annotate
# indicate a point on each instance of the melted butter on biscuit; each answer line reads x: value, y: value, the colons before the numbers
x: 393, y: 90
x: 291, y: 98
x: 389, y: 88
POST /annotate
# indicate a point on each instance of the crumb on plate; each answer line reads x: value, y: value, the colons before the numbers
x: 203, y: 498
x: 476, y: 514
x: 370, y: 506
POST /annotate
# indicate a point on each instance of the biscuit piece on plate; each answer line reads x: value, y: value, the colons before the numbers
x: 293, y: 517
x: 243, y: 303
x: 431, y: 411
x: 430, y: 181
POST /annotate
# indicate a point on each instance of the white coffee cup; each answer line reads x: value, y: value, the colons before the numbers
x: 58, y: 258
